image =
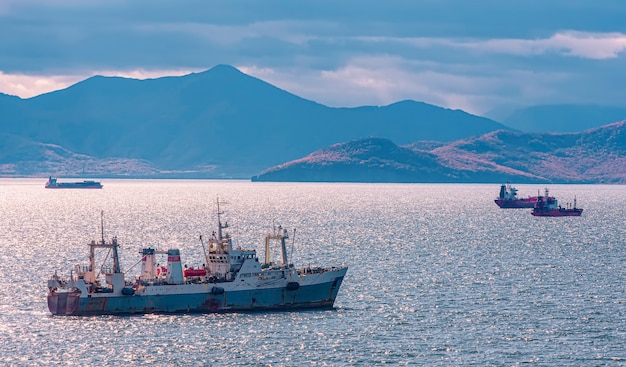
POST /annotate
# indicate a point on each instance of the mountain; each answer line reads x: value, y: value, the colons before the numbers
x: 364, y: 160
x: 217, y: 123
x: 563, y: 118
x: 593, y: 156
x: 24, y: 157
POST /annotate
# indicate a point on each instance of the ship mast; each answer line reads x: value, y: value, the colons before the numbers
x: 280, y: 235
x: 111, y: 246
x: 102, y: 225
x: 222, y: 238
x: 219, y: 221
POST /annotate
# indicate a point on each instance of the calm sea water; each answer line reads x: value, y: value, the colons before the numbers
x: 439, y: 275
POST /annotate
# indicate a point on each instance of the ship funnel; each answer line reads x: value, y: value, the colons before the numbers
x: 148, y: 264
x: 174, y: 269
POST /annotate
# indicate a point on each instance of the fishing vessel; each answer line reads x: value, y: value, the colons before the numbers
x: 508, y: 199
x: 86, y: 184
x: 229, y: 279
x: 547, y: 206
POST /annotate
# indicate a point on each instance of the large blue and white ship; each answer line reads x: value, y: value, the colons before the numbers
x: 230, y: 279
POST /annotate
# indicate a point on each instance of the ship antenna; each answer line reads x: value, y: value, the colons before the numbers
x: 102, y: 225
x: 203, y: 250
x: 219, y: 220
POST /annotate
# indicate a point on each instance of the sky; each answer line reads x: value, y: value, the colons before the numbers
x: 481, y: 56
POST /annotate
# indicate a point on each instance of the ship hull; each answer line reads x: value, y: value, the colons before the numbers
x: 557, y: 213
x: 516, y: 204
x: 199, y: 298
x: 74, y: 186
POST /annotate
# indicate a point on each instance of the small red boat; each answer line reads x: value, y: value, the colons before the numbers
x: 508, y: 199
x: 547, y: 206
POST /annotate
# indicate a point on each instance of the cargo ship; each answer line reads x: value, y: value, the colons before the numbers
x: 547, y: 206
x: 230, y: 279
x: 86, y: 184
x: 508, y: 199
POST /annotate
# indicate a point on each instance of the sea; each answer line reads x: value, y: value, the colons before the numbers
x: 438, y: 274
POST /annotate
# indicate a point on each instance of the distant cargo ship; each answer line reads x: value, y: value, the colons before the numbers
x: 87, y: 184
x: 233, y: 279
x: 548, y: 206
x: 508, y: 199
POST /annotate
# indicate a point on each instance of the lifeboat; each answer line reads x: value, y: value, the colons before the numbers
x: 197, y: 272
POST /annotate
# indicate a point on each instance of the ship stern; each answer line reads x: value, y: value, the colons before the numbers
x: 63, y: 303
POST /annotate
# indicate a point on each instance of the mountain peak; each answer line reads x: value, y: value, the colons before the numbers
x: 224, y: 68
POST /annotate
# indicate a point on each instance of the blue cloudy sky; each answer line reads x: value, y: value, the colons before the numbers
x: 476, y: 55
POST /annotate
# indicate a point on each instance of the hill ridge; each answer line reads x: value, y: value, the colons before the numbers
x: 497, y: 156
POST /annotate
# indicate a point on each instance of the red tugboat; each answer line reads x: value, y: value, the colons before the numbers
x: 508, y: 199
x: 547, y: 206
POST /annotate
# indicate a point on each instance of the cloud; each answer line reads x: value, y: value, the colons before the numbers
x: 483, y: 53
x: 596, y: 46
x: 26, y: 86
x: 381, y: 81
x: 475, y: 87
x: 593, y: 46
x: 571, y: 43
x: 473, y: 75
